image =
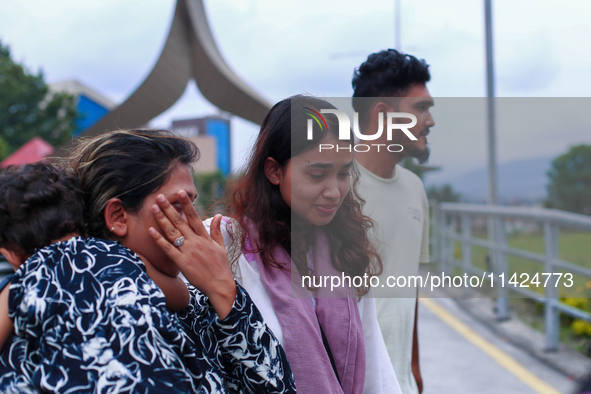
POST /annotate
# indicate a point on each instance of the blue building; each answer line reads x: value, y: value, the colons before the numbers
x: 91, y: 105
x: 217, y: 127
x: 212, y: 134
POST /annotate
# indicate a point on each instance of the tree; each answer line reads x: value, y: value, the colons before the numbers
x: 444, y: 193
x: 410, y: 164
x: 28, y: 109
x: 210, y: 190
x: 570, y: 181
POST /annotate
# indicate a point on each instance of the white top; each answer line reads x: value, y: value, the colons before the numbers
x: 400, y: 210
x: 380, y: 377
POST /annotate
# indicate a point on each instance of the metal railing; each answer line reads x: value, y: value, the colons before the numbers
x: 454, y: 222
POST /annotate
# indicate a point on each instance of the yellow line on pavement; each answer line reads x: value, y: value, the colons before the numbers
x: 502, y: 358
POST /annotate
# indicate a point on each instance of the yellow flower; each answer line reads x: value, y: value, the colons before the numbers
x: 581, y: 327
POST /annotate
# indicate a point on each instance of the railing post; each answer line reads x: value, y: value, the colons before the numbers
x: 451, y: 245
x: 435, y: 225
x: 551, y: 314
x: 501, y: 266
x: 466, y: 248
x: 442, y: 233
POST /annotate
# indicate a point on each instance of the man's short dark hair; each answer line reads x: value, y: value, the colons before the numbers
x: 39, y: 203
x: 387, y: 73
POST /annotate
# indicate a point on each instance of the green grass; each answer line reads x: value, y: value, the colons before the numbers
x: 574, y: 247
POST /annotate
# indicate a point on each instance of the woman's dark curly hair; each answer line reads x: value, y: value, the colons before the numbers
x: 39, y: 203
x: 252, y: 197
x: 125, y: 164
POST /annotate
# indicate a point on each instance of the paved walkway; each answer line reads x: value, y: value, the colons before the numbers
x: 460, y: 355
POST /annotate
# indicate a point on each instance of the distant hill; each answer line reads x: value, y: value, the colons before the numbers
x: 523, y: 179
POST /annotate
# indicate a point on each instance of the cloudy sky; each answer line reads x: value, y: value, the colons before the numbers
x: 288, y: 47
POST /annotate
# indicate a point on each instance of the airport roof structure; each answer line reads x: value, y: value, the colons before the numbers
x: 189, y: 53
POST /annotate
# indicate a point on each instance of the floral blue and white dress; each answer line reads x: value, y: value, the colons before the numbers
x: 87, y: 318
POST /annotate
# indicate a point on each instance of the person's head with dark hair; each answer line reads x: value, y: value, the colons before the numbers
x: 39, y: 205
x: 120, y: 173
x: 276, y: 144
x: 391, y: 81
x: 290, y: 184
x: 389, y: 73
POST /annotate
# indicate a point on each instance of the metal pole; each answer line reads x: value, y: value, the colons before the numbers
x: 492, y: 199
x: 551, y: 314
x: 466, y: 248
x: 490, y: 94
x: 397, y: 41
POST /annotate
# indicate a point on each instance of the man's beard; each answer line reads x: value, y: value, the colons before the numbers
x: 422, y: 155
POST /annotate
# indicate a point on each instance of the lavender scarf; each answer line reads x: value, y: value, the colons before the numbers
x: 299, y: 319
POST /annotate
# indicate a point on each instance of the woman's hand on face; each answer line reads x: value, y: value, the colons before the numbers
x: 201, y: 258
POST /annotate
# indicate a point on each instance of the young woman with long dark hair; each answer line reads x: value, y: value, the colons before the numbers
x: 295, y: 212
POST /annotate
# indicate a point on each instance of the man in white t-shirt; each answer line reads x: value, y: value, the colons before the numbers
x: 389, y: 81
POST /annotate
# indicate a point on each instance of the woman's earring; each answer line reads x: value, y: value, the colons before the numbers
x: 112, y: 228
